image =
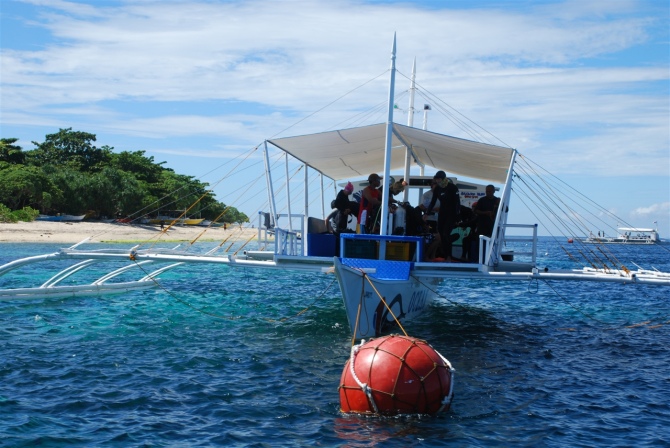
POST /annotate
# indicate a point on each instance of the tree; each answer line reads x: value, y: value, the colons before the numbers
x: 22, y: 186
x: 143, y: 168
x: 75, y: 189
x: 72, y: 148
x: 68, y: 174
x: 10, y: 153
x: 114, y: 191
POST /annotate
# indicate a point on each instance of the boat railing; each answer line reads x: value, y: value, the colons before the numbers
x: 381, y: 247
x: 287, y: 241
x: 532, y: 239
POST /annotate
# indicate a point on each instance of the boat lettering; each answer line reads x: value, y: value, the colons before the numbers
x: 418, y: 301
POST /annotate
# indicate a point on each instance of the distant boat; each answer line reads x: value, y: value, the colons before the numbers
x: 178, y: 221
x: 60, y: 218
x: 175, y: 217
x: 627, y: 235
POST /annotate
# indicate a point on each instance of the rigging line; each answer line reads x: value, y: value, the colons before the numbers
x: 226, y: 208
x: 598, y: 206
x: 240, y: 198
x: 358, y: 316
x: 555, y: 191
x: 362, y: 116
x: 555, y: 198
x: 242, y: 246
x: 330, y: 104
x: 303, y: 311
x: 521, y: 194
x: 473, y: 132
x: 558, y: 221
x: 558, y: 194
x: 180, y: 188
x: 427, y: 92
x: 542, y: 199
x: 203, y: 196
x: 157, y: 201
x: 584, y: 229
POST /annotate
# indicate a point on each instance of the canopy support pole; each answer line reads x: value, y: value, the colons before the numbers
x: 271, y: 193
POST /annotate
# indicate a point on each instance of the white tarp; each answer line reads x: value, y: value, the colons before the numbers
x: 357, y: 152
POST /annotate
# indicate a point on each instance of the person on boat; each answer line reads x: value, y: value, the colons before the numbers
x: 371, y: 199
x: 431, y: 219
x: 450, y: 203
x: 487, y: 208
x: 469, y: 222
x: 344, y: 207
x: 396, y: 187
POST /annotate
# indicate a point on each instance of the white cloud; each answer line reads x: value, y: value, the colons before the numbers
x: 548, y: 79
x: 662, y: 209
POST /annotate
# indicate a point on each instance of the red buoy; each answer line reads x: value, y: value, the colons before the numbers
x: 396, y: 375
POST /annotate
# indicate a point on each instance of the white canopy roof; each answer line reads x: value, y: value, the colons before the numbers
x: 357, y: 152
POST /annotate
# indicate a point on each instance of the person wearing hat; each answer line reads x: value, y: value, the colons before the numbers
x: 370, y: 200
x: 450, y: 203
x: 343, y: 206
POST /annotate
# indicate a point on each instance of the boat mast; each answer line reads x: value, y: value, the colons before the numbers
x: 410, y: 123
x: 387, y: 150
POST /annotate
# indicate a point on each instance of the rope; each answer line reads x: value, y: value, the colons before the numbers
x: 364, y: 387
x: 365, y: 276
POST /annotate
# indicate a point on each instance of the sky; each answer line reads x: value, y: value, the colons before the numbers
x: 581, y: 87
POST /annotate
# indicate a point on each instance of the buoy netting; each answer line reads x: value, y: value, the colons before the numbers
x: 396, y: 375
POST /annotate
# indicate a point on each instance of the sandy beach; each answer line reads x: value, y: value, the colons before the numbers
x: 74, y: 232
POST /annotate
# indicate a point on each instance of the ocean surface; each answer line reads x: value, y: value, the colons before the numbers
x: 227, y: 357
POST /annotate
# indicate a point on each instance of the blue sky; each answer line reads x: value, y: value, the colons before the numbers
x: 581, y: 87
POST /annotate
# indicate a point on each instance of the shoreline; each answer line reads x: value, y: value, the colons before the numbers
x: 102, y: 232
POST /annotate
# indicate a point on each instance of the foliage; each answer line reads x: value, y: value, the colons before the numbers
x: 22, y: 186
x: 72, y: 148
x: 68, y: 174
x: 25, y: 214
x: 10, y: 153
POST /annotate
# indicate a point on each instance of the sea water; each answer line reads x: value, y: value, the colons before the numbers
x: 241, y: 357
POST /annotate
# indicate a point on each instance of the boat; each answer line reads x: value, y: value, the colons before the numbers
x: 60, y: 218
x: 385, y: 279
x: 176, y: 221
x: 174, y: 217
x: 627, y: 235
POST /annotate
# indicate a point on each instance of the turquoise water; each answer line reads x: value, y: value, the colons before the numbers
x: 586, y: 365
